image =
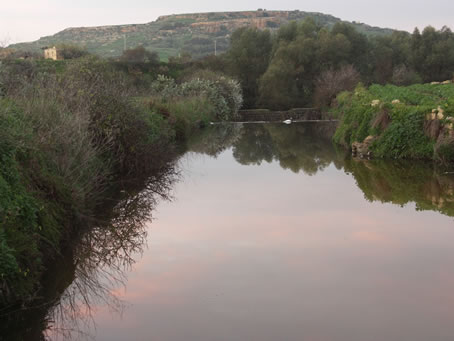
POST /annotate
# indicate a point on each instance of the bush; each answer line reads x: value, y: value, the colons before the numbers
x: 64, y: 137
x: 68, y: 131
x: 331, y: 82
x: 139, y: 55
x: 402, y: 75
x: 223, y: 94
x: 21, y: 211
x: 68, y: 51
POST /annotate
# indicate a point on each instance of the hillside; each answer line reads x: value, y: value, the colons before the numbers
x: 173, y: 34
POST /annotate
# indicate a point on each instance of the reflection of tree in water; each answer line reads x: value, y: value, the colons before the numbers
x: 299, y: 147
x: 402, y: 182
x: 108, y: 250
x: 215, y: 139
x: 254, y: 146
x: 307, y: 147
x: 92, y: 266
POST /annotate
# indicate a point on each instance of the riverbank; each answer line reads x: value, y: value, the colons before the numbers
x: 69, y: 134
x: 413, y: 122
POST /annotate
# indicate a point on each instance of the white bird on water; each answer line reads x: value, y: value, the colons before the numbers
x: 287, y: 121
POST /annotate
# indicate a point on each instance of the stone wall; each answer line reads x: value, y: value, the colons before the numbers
x: 302, y: 114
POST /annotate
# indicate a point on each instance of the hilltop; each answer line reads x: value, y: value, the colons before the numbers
x: 173, y: 34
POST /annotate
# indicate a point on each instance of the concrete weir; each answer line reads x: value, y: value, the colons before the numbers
x: 265, y: 115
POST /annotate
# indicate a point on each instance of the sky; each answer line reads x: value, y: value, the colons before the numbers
x: 28, y: 20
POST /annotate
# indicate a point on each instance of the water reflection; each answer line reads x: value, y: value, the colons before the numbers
x: 307, y: 148
x: 233, y: 234
x: 299, y: 147
x: 105, y: 254
x: 402, y: 182
x: 92, y: 266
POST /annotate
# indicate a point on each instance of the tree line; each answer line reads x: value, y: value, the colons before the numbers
x: 305, y: 64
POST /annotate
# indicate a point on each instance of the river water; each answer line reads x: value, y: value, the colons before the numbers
x: 275, y: 234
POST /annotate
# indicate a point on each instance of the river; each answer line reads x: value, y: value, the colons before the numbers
x: 272, y: 233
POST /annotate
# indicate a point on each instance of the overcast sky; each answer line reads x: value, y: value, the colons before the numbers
x: 27, y: 20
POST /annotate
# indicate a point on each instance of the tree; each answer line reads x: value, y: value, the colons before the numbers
x: 248, y: 59
x: 68, y: 51
x: 331, y: 82
x: 139, y: 55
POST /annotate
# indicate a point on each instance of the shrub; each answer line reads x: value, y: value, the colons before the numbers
x: 402, y: 75
x: 139, y: 55
x: 69, y: 51
x: 64, y: 137
x: 331, y: 82
x: 223, y: 94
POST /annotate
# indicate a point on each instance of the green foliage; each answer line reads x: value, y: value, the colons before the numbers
x: 20, y: 211
x: 139, y: 55
x: 70, y: 51
x: 405, y: 138
x: 189, y: 113
x: 357, y: 115
x: 248, y: 58
x: 221, y: 93
x: 66, y: 134
x: 403, y: 134
x: 302, y: 52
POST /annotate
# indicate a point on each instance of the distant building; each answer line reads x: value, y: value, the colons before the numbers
x: 52, y: 53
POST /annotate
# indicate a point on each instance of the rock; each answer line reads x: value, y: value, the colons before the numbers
x: 431, y: 116
x: 437, y: 113
x: 440, y: 113
x: 375, y: 103
x: 396, y: 101
x: 434, y: 83
x: 361, y: 149
x: 450, y: 124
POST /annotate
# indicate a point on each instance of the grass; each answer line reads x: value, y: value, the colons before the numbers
x: 398, y: 120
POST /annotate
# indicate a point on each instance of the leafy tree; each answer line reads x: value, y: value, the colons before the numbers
x: 433, y: 53
x: 68, y: 51
x: 139, y: 55
x: 248, y: 59
x: 281, y: 71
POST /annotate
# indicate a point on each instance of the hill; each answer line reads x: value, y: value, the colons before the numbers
x: 173, y: 34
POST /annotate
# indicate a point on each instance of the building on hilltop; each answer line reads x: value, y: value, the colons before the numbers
x: 52, y: 53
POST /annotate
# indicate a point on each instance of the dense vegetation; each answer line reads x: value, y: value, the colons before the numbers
x: 405, y: 122
x: 69, y: 131
x: 306, y: 64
